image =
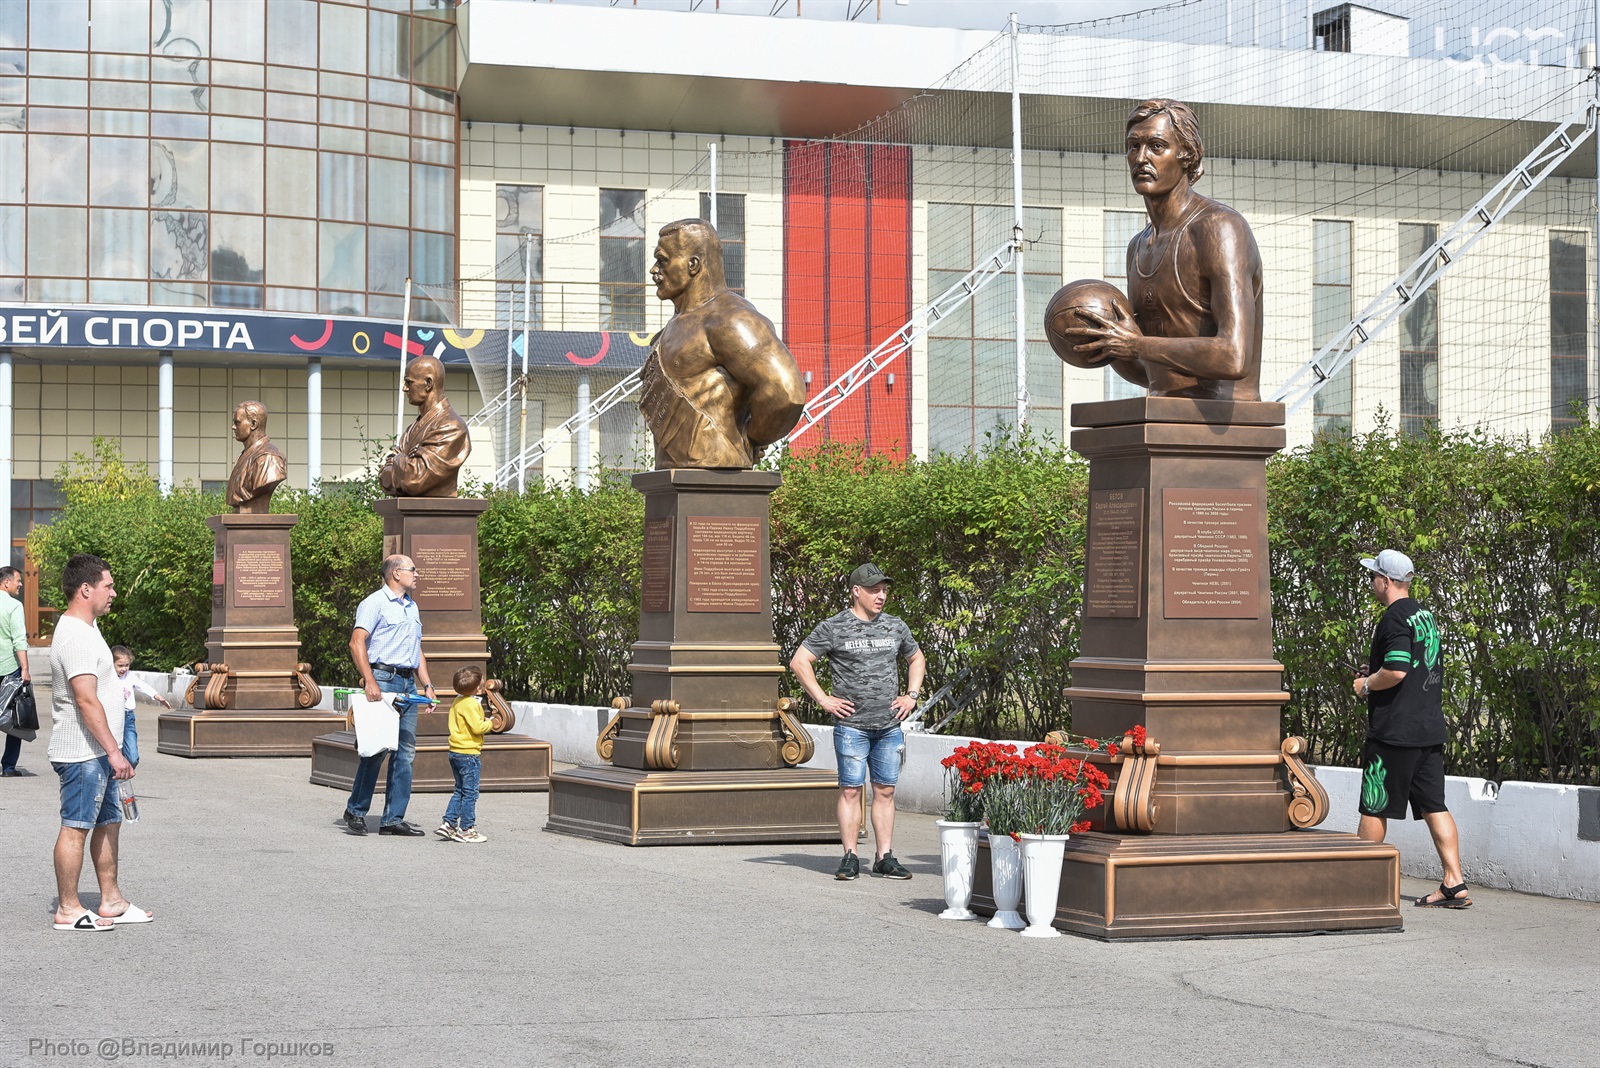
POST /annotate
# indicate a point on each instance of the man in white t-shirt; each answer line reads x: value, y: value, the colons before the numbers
x: 86, y: 709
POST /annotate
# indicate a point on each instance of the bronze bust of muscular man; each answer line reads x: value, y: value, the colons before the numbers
x: 260, y: 468
x: 427, y: 462
x: 1194, y: 274
x: 719, y: 386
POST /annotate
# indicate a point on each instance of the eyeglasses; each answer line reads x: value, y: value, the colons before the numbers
x: 413, y: 570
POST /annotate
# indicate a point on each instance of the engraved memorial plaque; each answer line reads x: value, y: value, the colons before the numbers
x: 724, y: 564
x: 1210, y: 565
x: 444, y: 571
x: 257, y: 576
x: 1113, y: 585
x: 655, y: 594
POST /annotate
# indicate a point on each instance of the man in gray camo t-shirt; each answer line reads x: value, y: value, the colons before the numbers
x: 864, y: 645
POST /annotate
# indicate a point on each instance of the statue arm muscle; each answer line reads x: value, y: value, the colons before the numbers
x: 749, y: 350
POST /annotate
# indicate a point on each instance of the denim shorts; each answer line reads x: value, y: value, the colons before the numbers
x: 882, y: 750
x: 88, y: 794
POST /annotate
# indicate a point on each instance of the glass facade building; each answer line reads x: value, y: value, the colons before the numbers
x: 292, y: 156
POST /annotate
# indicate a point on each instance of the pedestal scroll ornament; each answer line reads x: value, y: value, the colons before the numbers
x: 1308, y: 806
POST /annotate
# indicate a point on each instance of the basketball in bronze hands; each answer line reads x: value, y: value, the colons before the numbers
x: 1064, y: 322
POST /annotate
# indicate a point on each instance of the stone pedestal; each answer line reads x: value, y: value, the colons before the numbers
x: 703, y: 748
x: 1177, y: 637
x: 440, y: 534
x: 253, y: 697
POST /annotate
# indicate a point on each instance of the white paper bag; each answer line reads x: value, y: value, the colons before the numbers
x: 377, y: 724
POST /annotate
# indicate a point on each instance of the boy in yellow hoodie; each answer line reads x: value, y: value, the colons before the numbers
x: 468, y: 725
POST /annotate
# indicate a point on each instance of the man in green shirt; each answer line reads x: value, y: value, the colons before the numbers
x: 13, y: 653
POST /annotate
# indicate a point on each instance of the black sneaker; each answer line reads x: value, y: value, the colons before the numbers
x: 890, y: 868
x: 849, y: 868
x: 354, y: 824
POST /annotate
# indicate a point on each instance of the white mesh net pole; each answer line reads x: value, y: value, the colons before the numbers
x: 400, y: 393
x: 1016, y: 229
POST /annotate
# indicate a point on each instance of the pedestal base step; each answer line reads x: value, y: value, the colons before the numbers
x: 231, y: 733
x: 1116, y: 887
x: 511, y: 763
x: 694, y: 807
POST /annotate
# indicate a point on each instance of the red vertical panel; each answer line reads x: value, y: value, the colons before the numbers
x: 804, y: 259
x: 847, y: 267
x: 890, y: 296
x: 847, y: 279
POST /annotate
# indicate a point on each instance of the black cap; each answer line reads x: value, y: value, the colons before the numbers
x: 867, y: 575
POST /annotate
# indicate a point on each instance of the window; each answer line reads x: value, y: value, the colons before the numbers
x: 622, y: 264
x: 1330, y: 311
x: 518, y: 253
x: 730, y: 228
x: 1569, y: 328
x: 972, y: 353
x: 1121, y: 227
x: 1419, y: 339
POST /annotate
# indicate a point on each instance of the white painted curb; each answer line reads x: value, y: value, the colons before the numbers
x: 1523, y: 836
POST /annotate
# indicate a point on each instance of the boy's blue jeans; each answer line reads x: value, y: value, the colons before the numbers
x: 463, y: 808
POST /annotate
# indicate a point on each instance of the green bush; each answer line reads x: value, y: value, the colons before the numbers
x: 986, y: 551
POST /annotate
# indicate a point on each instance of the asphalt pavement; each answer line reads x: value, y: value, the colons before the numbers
x: 280, y: 939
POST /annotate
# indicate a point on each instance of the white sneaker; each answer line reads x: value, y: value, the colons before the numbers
x: 445, y: 830
x: 470, y: 834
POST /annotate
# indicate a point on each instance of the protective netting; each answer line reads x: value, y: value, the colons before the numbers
x: 845, y: 241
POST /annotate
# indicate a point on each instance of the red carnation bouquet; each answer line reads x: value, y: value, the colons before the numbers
x: 1045, y: 789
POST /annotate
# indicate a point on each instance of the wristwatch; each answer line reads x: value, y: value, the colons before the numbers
x: 913, y: 694
x: 1366, y: 686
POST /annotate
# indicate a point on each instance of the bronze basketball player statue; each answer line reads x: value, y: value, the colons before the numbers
x: 1194, y: 276
x: 719, y: 386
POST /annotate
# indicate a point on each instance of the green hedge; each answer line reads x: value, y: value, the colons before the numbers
x: 987, y: 556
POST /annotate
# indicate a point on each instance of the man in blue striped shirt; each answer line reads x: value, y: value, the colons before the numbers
x: 386, y: 645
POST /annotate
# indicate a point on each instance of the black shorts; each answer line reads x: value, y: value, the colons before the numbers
x: 1392, y: 775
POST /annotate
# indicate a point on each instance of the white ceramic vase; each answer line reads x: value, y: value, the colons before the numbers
x: 1042, y: 856
x: 1005, y: 875
x: 958, y: 854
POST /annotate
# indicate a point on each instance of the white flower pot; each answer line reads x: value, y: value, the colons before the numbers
x: 1042, y: 856
x: 1005, y: 874
x: 958, y: 852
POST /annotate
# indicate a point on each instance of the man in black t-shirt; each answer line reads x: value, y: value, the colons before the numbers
x: 1403, y: 760
x: 864, y: 645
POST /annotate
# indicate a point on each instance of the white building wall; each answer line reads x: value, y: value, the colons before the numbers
x: 1494, y: 307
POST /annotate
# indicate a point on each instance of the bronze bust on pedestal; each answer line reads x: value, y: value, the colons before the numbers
x: 1194, y: 277
x: 427, y: 461
x: 261, y: 467
x: 719, y: 386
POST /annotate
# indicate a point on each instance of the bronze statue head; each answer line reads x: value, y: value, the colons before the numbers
x: 687, y: 268
x: 249, y: 417
x: 1185, y: 128
x: 424, y: 380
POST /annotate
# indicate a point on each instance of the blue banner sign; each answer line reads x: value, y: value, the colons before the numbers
x: 207, y: 330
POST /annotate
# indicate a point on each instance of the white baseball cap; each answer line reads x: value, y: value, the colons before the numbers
x: 1391, y: 564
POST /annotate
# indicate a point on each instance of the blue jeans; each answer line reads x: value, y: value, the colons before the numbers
x: 882, y: 750
x: 397, y: 787
x: 88, y: 794
x: 463, y: 808
x: 13, y: 750
x: 130, y: 738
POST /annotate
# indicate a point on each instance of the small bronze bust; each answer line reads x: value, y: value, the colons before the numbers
x: 260, y: 467
x: 427, y: 462
x: 1194, y: 278
x: 719, y: 386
